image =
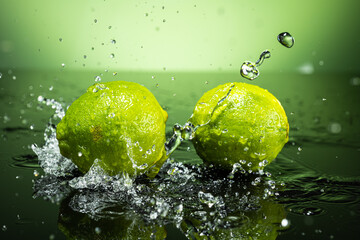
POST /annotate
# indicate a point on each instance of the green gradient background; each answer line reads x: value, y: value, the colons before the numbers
x: 203, y: 35
x: 202, y: 44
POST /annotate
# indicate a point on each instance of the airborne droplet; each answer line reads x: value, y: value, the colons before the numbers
x: 249, y: 70
x: 286, y: 39
x: 264, y: 55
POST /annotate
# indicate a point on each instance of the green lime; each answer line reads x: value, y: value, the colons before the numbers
x: 239, y: 123
x: 119, y: 123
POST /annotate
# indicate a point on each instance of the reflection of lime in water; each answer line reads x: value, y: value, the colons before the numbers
x: 238, y: 123
x: 128, y: 225
x: 119, y: 123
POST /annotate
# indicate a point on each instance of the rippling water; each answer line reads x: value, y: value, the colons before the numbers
x: 311, y: 191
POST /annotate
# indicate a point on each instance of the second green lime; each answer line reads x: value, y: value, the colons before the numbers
x: 239, y: 123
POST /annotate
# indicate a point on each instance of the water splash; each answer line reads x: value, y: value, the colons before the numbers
x: 180, y: 133
x: 249, y: 70
x: 264, y: 55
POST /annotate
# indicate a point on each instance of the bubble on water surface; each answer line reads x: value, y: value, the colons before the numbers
x: 286, y: 39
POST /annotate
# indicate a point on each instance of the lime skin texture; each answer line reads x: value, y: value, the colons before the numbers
x: 120, y: 124
x: 239, y: 123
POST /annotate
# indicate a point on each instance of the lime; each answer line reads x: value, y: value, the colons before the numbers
x: 119, y: 123
x: 239, y: 123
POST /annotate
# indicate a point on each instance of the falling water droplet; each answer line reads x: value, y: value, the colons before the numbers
x: 286, y: 39
x: 63, y: 65
x: 60, y: 39
x: 4, y: 228
x: 334, y: 127
x: 97, y: 230
x: 264, y: 55
x: 112, y: 55
x: 285, y: 222
x: 95, y: 20
x: 249, y: 70
x: 0, y: 75
x: 36, y: 173
x: 114, y: 73
x: 97, y: 78
x: 113, y: 41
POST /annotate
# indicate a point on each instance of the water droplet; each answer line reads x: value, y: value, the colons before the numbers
x: 60, y: 39
x: 355, y: 81
x: 153, y: 77
x: 109, y: 27
x: 111, y: 115
x: 206, y: 82
x: 32, y: 127
x: 286, y: 39
x: 63, y: 65
x: 321, y: 63
x: 153, y: 215
x: 264, y: 55
x: 334, y: 127
x: 51, y: 88
x: 4, y: 228
x: 142, y: 167
x: 112, y: 55
x: 285, y: 222
x: 85, y: 56
x: 114, y: 73
x: 97, y: 230
x: 14, y: 77
x: 113, y: 41
x: 306, y: 68
x: 249, y: 71
x: 157, y: 85
x: 146, y: 14
x: 173, y: 78
x: 40, y: 99
x: 95, y: 20
x: 324, y: 99
x: 36, y: 173
x: 97, y: 78
x: 164, y: 20
x: 80, y: 154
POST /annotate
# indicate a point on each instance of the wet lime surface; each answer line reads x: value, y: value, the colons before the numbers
x: 319, y: 166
